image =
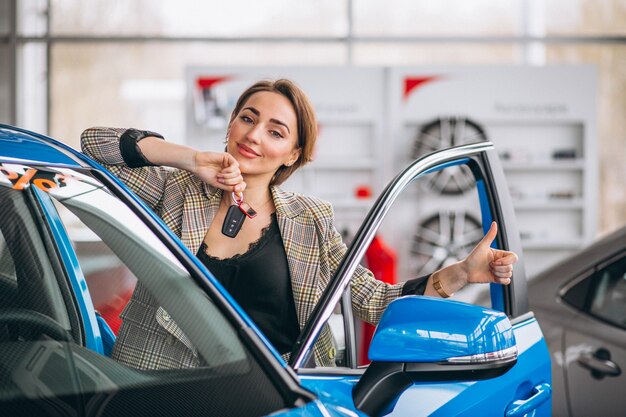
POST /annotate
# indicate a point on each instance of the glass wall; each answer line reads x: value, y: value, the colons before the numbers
x: 122, y: 63
x: 176, y: 18
x: 5, y: 84
x: 5, y: 62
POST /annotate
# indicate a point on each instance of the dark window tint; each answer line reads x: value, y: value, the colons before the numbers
x: 577, y: 295
x: 609, y: 299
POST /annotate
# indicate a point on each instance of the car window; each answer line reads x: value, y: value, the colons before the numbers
x: 44, y: 355
x: 29, y: 276
x: 426, y: 229
x: 609, y: 298
x: 576, y: 293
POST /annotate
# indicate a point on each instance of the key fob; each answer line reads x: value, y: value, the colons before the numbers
x: 233, y: 221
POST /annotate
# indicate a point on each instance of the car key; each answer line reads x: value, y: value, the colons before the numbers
x: 233, y: 221
x: 235, y: 216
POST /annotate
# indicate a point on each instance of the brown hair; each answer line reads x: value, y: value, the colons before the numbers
x: 305, y: 116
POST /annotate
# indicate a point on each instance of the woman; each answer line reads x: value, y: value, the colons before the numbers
x: 279, y: 262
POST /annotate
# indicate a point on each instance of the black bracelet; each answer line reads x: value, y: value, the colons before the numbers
x: 129, y: 147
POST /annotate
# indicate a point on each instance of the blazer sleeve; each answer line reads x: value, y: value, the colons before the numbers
x: 370, y: 296
x: 148, y: 182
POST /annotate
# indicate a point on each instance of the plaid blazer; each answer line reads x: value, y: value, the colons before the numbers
x: 148, y: 337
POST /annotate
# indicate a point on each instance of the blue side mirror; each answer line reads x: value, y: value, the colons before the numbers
x: 427, y: 330
x: 430, y: 339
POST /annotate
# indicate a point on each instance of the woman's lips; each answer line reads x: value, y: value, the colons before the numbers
x: 247, y: 152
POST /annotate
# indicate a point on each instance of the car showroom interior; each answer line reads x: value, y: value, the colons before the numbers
x: 313, y: 207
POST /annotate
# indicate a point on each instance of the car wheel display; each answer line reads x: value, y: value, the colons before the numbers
x: 443, y: 133
x: 443, y: 239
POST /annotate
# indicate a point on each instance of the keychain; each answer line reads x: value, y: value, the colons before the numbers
x: 235, y: 216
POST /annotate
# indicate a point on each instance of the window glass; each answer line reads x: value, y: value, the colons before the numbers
x: 7, y: 266
x: 441, y: 220
x: 436, y: 18
x: 610, y: 61
x: 578, y: 294
x: 27, y: 255
x: 135, y: 92
x: 585, y: 17
x: 5, y: 15
x: 239, y: 18
x: 435, y: 222
x: 609, y: 300
x: 44, y: 365
x: 5, y: 84
x: 32, y: 81
x: 396, y: 53
x: 32, y: 16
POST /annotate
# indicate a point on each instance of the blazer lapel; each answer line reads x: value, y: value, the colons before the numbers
x: 301, y: 243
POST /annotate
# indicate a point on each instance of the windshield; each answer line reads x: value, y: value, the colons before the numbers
x: 71, y: 256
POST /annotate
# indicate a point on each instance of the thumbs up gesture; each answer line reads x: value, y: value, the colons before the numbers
x: 485, y: 264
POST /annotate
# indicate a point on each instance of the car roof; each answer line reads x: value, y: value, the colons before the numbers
x: 18, y: 145
x: 601, y: 249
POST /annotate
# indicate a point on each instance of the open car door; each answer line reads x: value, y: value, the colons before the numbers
x: 480, y: 353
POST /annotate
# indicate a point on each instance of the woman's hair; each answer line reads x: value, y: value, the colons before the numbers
x: 305, y: 117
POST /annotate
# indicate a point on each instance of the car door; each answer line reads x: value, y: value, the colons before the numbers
x: 521, y: 389
x: 594, y: 340
x: 52, y: 359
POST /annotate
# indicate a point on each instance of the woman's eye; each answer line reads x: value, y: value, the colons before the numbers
x: 276, y: 134
x: 246, y: 119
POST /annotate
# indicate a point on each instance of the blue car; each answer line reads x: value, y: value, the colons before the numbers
x: 63, y: 216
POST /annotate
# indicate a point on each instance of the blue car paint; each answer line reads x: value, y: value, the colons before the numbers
x: 93, y: 338
x: 108, y: 337
x: 319, y: 408
x: 445, y: 165
x: 497, y: 295
x: 488, y: 398
x: 22, y: 144
x: 463, y: 330
x: 332, y: 389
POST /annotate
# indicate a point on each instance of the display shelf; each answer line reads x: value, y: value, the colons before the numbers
x: 570, y: 204
x: 557, y: 244
x: 343, y: 164
x: 542, y: 124
x: 555, y: 165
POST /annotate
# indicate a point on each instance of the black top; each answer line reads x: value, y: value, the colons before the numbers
x: 259, y: 281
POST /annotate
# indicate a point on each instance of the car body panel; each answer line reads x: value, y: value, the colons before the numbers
x: 589, y: 394
x: 21, y: 144
x: 572, y: 333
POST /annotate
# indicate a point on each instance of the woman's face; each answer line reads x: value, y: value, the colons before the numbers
x: 263, y: 135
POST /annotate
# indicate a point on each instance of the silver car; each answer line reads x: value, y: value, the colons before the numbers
x: 580, y: 304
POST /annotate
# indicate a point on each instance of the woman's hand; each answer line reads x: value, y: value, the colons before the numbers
x: 485, y: 264
x: 219, y: 169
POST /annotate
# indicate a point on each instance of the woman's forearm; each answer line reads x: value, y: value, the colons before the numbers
x: 450, y: 280
x: 160, y: 152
